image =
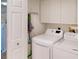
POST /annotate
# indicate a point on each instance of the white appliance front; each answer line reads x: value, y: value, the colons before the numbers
x: 67, y: 49
x: 41, y: 45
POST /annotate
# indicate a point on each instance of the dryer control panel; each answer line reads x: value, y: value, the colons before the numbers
x: 55, y: 32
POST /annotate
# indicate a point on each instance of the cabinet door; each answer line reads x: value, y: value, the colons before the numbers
x: 69, y: 11
x: 50, y: 11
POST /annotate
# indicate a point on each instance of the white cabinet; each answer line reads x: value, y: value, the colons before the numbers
x: 50, y: 11
x: 58, y: 11
x: 69, y: 11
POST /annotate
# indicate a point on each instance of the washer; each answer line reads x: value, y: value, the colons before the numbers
x: 42, y: 44
x: 67, y: 49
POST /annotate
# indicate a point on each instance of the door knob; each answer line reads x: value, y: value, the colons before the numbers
x: 17, y: 43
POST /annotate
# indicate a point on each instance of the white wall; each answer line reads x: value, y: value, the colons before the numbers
x: 34, y: 9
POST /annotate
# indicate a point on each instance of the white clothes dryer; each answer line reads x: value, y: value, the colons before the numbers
x: 42, y: 44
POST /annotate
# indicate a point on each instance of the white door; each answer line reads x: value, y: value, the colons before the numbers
x: 17, y: 29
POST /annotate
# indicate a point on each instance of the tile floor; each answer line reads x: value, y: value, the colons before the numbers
x: 3, y: 56
x: 29, y: 48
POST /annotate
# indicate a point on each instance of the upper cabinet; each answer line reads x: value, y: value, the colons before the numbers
x: 59, y: 11
x: 50, y: 11
x: 69, y: 11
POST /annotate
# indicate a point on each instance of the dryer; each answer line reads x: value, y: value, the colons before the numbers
x: 42, y: 44
x: 68, y: 48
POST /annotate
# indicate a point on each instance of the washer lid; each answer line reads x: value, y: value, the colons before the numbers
x: 71, y: 36
x: 68, y: 46
x: 45, y: 40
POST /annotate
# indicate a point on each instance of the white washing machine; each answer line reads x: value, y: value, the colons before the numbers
x: 67, y: 49
x: 41, y: 45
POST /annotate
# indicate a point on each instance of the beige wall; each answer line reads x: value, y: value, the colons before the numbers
x: 34, y: 9
x: 64, y: 27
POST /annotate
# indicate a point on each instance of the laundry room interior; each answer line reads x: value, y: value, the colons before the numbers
x: 39, y: 29
x: 51, y: 14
